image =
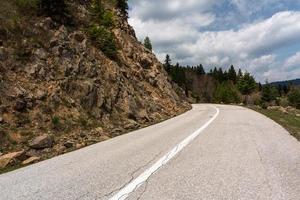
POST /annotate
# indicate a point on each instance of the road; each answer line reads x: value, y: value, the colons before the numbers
x: 210, y: 152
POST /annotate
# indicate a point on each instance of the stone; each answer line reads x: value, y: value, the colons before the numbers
x: 31, y: 160
x: 69, y: 144
x: 42, y: 142
x: 1, y: 120
x: 11, y: 158
x: 40, y: 95
x: 41, y: 54
x: 20, y: 105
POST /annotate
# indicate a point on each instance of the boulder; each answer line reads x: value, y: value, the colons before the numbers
x: 69, y: 144
x: 42, y: 142
x: 31, y: 160
x: 11, y: 158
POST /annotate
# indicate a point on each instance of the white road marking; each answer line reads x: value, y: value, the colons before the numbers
x: 136, y: 183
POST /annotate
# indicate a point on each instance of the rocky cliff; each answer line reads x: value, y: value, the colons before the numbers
x: 59, y: 91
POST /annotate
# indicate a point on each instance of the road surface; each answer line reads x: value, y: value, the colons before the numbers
x: 210, y: 152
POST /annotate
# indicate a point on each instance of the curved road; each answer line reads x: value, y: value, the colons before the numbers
x: 210, y: 152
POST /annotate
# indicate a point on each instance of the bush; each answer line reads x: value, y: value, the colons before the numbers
x: 100, y: 15
x: 294, y: 98
x: 104, y: 40
x: 226, y: 93
x: 27, y: 5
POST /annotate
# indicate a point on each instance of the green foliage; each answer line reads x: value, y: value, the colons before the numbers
x: 178, y: 75
x: 104, y: 40
x: 227, y: 93
x: 100, y: 15
x: 147, y: 43
x: 27, y: 5
x: 167, y: 64
x: 269, y: 93
x: 57, y: 10
x: 55, y: 121
x: 123, y: 6
x: 246, y: 84
x: 100, y: 29
x: 294, y: 98
x: 200, y: 70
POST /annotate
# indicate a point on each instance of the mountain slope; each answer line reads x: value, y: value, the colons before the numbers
x: 56, y: 82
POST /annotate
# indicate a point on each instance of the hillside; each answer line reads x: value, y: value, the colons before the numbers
x: 72, y: 73
x: 295, y: 82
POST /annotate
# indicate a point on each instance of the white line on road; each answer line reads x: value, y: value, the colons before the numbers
x: 136, y: 183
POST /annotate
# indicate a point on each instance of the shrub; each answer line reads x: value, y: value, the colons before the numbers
x: 27, y: 5
x: 57, y: 10
x: 104, y: 40
x: 294, y: 98
x: 226, y: 93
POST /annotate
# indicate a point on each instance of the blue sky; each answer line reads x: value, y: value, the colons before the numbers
x: 260, y: 36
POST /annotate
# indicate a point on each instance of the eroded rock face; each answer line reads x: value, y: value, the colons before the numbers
x: 65, y: 86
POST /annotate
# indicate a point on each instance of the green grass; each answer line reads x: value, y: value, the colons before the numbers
x: 288, y: 120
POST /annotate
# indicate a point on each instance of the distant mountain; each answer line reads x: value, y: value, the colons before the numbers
x: 292, y: 82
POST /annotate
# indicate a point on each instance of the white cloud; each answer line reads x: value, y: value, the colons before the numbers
x: 179, y: 28
x: 293, y: 62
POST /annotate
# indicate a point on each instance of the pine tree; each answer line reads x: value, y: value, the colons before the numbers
x: 246, y: 84
x: 147, y: 43
x: 167, y: 64
x: 200, y: 70
x: 123, y: 6
x: 232, y: 74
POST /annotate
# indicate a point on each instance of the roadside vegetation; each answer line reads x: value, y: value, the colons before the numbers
x: 289, y: 118
x: 280, y: 102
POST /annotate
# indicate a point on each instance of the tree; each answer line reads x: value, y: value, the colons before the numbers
x: 232, y: 74
x: 167, y: 64
x: 269, y: 93
x: 123, y: 6
x: 240, y: 74
x: 200, y: 70
x: 147, y: 43
x: 246, y: 84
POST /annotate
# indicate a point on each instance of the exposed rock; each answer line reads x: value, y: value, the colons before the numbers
x: 11, y: 158
x: 3, y: 55
x: 40, y: 95
x: 1, y: 120
x: 42, y: 142
x: 20, y: 105
x: 31, y: 160
x: 41, y: 54
x: 69, y: 144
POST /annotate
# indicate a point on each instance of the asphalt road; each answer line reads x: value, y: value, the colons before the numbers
x: 210, y: 152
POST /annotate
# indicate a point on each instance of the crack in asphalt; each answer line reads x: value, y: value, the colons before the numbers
x: 132, y: 174
x: 164, y: 162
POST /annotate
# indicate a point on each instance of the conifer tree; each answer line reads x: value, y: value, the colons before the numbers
x: 232, y: 74
x: 168, y: 64
x: 123, y: 6
x: 147, y: 43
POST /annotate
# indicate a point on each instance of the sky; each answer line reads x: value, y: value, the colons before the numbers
x: 259, y: 36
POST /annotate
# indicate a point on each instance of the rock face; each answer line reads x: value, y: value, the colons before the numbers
x: 54, y: 79
x: 42, y: 142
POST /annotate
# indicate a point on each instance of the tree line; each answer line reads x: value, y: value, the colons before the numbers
x: 231, y: 85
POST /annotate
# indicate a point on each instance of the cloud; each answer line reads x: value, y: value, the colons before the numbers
x: 187, y: 31
x: 293, y: 62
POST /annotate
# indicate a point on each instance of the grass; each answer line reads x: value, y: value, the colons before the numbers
x: 288, y: 120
